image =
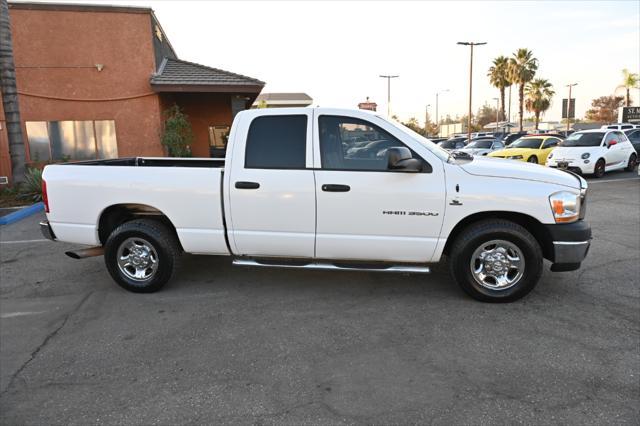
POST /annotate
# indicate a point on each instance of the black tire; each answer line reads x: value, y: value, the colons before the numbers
x: 474, y: 237
x: 632, y: 164
x: 598, y: 170
x: 533, y: 160
x: 161, y: 240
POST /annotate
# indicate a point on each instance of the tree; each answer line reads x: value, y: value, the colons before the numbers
x: 499, y: 77
x: 177, y: 135
x: 522, y: 69
x: 10, y: 96
x: 539, y: 93
x: 629, y: 81
x: 413, y: 125
x: 605, y: 109
x: 486, y: 114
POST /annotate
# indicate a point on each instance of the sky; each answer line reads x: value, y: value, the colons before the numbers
x: 335, y: 51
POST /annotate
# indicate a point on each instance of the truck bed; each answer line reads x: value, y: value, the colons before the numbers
x: 187, y: 191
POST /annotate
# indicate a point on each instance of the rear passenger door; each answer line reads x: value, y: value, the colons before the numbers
x: 270, y: 187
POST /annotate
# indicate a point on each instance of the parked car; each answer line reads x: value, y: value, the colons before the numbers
x: 634, y: 137
x: 594, y: 152
x: 437, y: 140
x: 511, y: 137
x: 482, y: 146
x: 453, y: 143
x: 532, y: 149
x: 289, y: 195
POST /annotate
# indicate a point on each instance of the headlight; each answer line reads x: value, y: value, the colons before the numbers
x: 515, y: 157
x: 586, y: 155
x: 565, y: 206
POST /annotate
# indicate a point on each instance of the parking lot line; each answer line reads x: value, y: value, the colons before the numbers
x: 20, y: 314
x: 613, y: 180
x: 24, y: 241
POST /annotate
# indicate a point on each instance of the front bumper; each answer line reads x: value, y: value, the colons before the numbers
x: 576, y: 166
x: 571, y: 244
x: 46, y: 230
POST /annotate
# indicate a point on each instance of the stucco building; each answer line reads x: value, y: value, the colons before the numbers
x: 94, y: 81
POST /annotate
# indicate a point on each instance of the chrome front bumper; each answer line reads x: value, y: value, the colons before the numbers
x: 46, y: 230
x: 570, y: 251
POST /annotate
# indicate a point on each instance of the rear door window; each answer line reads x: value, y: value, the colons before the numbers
x: 277, y: 142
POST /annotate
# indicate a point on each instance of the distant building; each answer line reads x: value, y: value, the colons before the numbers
x: 368, y: 105
x: 282, y: 100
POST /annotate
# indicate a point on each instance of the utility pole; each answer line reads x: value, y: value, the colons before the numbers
x: 509, y: 113
x: 437, y: 117
x: 569, y: 105
x: 471, y: 44
x: 497, y: 111
x: 426, y: 121
x: 389, y: 77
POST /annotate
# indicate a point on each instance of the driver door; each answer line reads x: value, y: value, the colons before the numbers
x: 365, y: 211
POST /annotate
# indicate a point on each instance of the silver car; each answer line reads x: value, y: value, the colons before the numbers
x: 482, y: 146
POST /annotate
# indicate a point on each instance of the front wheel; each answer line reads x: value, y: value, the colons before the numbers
x: 533, y: 159
x: 631, y: 166
x: 496, y: 261
x: 142, y: 255
x: 598, y: 170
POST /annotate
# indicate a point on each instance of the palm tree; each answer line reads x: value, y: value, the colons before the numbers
x: 499, y: 77
x: 629, y: 81
x: 539, y: 93
x: 522, y: 69
x: 10, y: 96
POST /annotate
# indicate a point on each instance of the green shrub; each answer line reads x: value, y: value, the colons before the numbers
x: 31, y: 188
x: 177, y: 135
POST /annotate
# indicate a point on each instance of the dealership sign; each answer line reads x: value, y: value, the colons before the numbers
x: 630, y: 115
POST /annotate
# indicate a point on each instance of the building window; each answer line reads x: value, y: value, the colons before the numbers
x: 72, y: 140
x: 218, y: 136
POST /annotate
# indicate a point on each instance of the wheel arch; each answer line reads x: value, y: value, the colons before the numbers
x: 531, y: 224
x: 117, y: 214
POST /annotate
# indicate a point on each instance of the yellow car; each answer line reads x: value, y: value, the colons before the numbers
x: 531, y: 148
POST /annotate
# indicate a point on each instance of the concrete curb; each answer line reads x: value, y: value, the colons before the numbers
x: 21, y: 214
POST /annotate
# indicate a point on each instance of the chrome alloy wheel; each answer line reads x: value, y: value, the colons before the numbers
x: 137, y: 259
x: 497, y: 265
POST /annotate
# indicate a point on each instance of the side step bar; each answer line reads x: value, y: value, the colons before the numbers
x: 330, y: 266
x: 84, y: 253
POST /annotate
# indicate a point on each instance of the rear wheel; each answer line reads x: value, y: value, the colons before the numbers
x: 496, y: 261
x: 598, y: 170
x: 142, y: 255
x: 533, y: 159
x: 633, y: 163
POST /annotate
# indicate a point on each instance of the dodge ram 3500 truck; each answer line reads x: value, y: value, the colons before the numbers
x: 325, y: 189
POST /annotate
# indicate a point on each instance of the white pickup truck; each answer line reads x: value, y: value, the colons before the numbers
x: 325, y: 189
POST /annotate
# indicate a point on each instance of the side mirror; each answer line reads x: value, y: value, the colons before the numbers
x: 399, y: 159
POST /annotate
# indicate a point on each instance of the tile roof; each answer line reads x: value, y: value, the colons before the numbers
x: 178, y: 72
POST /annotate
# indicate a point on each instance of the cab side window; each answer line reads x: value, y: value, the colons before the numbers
x: 277, y: 142
x: 348, y: 143
x: 551, y: 142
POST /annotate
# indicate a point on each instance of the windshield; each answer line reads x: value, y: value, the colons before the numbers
x: 484, y: 144
x: 527, y: 143
x: 583, y: 139
x: 435, y: 149
x: 451, y: 143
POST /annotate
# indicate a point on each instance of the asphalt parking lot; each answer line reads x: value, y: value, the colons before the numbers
x: 223, y: 344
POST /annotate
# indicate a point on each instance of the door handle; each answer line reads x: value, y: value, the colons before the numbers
x: 247, y: 185
x: 331, y: 187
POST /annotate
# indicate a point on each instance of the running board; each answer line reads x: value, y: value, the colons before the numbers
x: 330, y: 266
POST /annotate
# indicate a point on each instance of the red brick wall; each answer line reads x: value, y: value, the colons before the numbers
x: 55, y: 56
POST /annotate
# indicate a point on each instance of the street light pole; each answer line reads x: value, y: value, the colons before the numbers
x: 471, y: 44
x: 437, y: 118
x: 426, y: 121
x: 497, y: 111
x: 509, y: 113
x: 569, y: 105
x: 389, y: 77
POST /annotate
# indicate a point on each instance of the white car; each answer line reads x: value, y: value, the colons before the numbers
x: 619, y: 126
x: 482, y: 146
x: 594, y: 152
x: 291, y: 193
